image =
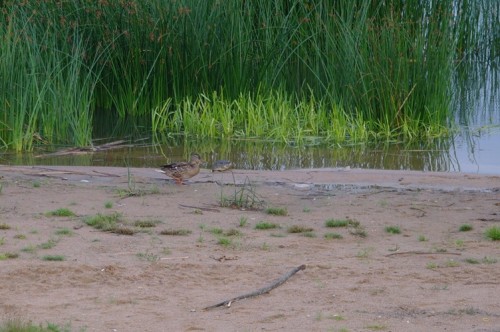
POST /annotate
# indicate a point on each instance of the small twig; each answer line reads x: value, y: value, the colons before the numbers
x: 199, y: 208
x: 422, y: 253
x: 259, y: 291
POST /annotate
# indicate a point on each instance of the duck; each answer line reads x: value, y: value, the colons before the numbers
x: 221, y: 165
x: 183, y: 170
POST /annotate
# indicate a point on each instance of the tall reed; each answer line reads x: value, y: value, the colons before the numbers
x: 343, y: 70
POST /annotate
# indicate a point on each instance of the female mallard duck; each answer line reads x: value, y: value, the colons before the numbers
x: 183, y: 170
x: 221, y: 165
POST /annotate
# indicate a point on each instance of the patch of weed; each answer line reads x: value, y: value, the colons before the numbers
x: 422, y: 238
x: 306, y: 210
x: 277, y: 235
x: 489, y: 260
x: 216, y: 231
x: 175, y: 232
x: 232, y: 232
x: 432, y: 265
x: 331, y: 236
x: 299, y: 229
x: 36, y: 184
x: 224, y: 241
x: 64, y: 231
x: 146, y: 223
x: 48, y: 245
x: 493, y: 233
x: 8, y: 255
x: 29, y: 249
x: 16, y: 325
x: 20, y: 236
x: 147, y: 256
x: 243, y: 221
x: 244, y: 197
x: 309, y: 234
x: 337, y: 223
x: 465, y: 228
x: 393, y: 230
x: 53, y: 258
x: 472, y: 261
x: 452, y: 263
x: 4, y: 226
x: 364, y: 253
x: 276, y: 211
x: 62, y: 212
x: 266, y: 225
x: 103, y: 222
x: 123, y: 230
x: 2, y: 241
x: 108, y: 205
x: 376, y: 327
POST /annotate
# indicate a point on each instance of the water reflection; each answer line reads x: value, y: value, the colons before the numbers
x: 441, y: 155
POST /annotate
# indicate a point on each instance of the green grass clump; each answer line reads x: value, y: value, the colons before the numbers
x: 4, y: 226
x: 393, y: 230
x: 8, y: 255
x: 104, y: 222
x: 62, y: 212
x: 465, y: 228
x: 276, y: 211
x: 108, y: 205
x: 176, y: 232
x: 266, y: 225
x: 48, y: 245
x: 16, y: 325
x: 337, y: 223
x: 299, y: 229
x: 493, y: 233
x: 146, y: 223
x: 64, y: 231
x: 53, y: 258
x: 233, y: 232
x: 330, y: 236
x: 224, y: 241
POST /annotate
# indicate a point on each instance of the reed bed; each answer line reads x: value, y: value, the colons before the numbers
x: 290, y: 71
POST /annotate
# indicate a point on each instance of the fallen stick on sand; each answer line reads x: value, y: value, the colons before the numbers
x: 259, y: 291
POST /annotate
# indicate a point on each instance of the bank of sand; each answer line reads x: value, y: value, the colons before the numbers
x: 430, y: 277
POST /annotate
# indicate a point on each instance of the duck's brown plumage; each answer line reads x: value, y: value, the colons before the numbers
x: 183, y: 170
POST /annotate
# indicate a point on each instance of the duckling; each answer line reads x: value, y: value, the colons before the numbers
x: 183, y: 170
x: 221, y: 165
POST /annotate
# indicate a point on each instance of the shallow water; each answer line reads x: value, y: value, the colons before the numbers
x: 478, y: 153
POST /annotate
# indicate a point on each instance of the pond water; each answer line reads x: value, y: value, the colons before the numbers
x: 477, y: 152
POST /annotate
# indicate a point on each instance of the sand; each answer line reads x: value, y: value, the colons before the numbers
x: 429, y: 277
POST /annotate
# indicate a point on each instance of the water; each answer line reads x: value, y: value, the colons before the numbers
x: 477, y: 152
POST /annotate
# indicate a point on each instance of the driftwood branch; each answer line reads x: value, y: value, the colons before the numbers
x: 259, y: 291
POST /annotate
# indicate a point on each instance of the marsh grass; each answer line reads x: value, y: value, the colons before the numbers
x: 334, y: 70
